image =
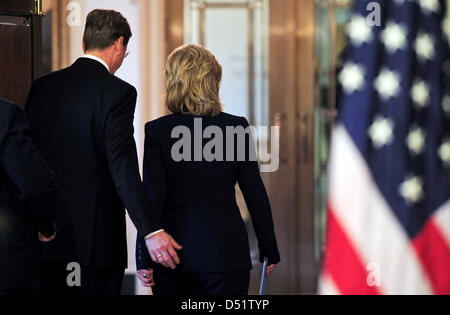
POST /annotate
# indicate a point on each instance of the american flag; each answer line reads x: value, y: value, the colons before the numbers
x: 389, y: 186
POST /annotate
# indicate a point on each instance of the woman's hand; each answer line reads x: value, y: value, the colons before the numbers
x: 45, y: 239
x: 270, y: 269
x: 146, y: 278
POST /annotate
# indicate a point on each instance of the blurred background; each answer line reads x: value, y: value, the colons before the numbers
x: 280, y: 60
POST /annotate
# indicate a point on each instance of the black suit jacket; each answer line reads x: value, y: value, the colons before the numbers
x: 82, y: 119
x: 26, y: 187
x: 196, y: 201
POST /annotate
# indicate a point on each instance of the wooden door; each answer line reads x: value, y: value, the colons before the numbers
x: 21, y: 50
x: 291, y: 188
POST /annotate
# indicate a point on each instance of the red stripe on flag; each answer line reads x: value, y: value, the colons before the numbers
x: 434, y: 254
x: 342, y: 262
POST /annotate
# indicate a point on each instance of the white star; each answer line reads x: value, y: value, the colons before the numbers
x: 381, y: 132
x: 446, y: 104
x: 420, y: 93
x: 430, y: 6
x: 424, y: 47
x: 394, y: 37
x: 352, y: 77
x: 388, y: 84
x: 359, y: 30
x: 412, y: 189
x: 444, y: 152
x: 446, y: 27
x: 416, y: 140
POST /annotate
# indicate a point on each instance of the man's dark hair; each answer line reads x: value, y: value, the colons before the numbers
x: 104, y: 28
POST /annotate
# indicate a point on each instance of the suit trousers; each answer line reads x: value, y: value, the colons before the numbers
x: 173, y: 283
x: 100, y: 281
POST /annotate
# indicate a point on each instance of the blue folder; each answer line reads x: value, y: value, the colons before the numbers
x: 263, y: 277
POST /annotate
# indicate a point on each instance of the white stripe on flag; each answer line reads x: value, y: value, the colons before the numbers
x: 327, y: 286
x: 369, y: 222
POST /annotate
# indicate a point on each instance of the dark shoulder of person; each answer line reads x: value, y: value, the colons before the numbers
x: 6, y: 107
x: 232, y: 120
x: 117, y: 84
x: 173, y: 120
x: 7, y: 112
x: 55, y: 78
x: 162, y: 122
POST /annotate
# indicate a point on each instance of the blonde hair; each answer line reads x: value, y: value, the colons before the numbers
x: 193, y: 78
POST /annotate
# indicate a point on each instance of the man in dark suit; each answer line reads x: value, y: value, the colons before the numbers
x: 26, y: 187
x: 82, y: 118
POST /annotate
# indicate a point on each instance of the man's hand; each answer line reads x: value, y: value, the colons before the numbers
x: 270, y: 269
x: 162, y: 248
x: 146, y: 278
x: 45, y: 239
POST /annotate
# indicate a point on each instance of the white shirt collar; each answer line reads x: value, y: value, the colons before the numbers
x: 97, y: 59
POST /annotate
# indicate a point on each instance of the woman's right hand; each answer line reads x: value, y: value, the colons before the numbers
x: 146, y: 278
x: 45, y: 239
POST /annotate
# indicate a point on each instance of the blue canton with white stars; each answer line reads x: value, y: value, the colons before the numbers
x: 395, y: 103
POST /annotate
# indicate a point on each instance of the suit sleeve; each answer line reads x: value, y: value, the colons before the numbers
x: 257, y: 200
x: 29, y: 175
x: 155, y: 183
x: 121, y: 153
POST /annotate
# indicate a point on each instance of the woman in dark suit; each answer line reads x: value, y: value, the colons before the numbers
x: 193, y: 160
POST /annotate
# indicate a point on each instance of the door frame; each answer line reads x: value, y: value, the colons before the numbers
x: 31, y: 10
x: 292, y: 108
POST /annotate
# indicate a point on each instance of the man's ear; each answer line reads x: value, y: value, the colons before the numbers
x: 119, y: 44
x: 84, y: 46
